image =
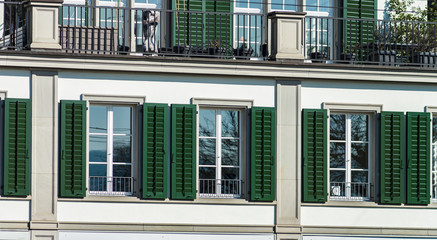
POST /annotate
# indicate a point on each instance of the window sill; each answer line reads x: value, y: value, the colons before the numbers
x: 135, y: 199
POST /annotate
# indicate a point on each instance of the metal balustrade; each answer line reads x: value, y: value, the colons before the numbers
x: 159, y: 32
x: 111, y: 186
x: 349, y: 191
x: 13, y: 26
x: 220, y: 188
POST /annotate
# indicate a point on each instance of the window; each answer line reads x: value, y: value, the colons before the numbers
x: 220, y: 150
x: 111, y: 150
x: 248, y: 25
x: 318, y: 27
x: 349, y: 156
x: 434, y: 158
x: 290, y: 5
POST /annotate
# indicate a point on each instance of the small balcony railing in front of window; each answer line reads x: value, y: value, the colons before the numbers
x: 349, y: 191
x: 111, y: 186
x: 220, y: 188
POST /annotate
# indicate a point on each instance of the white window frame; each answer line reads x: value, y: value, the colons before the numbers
x: 218, y: 150
x: 371, y: 110
x: 433, y: 187
x: 224, y: 104
x: 248, y: 29
x: 110, y: 152
x: 119, y: 100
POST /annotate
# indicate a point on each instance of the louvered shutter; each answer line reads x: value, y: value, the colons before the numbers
x: 73, y: 149
x: 358, y: 33
x: 392, y: 157
x: 218, y: 27
x: 263, y: 152
x: 183, y: 151
x: 197, y: 29
x: 418, y: 158
x: 155, y: 150
x: 17, y: 141
x: 315, y: 156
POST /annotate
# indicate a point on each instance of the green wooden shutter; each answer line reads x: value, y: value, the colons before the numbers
x: 73, y: 149
x: 418, y: 158
x: 218, y: 27
x: 202, y: 29
x: 357, y: 33
x: 17, y: 150
x: 263, y: 152
x: 315, y: 156
x: 392, y: 157
x: 155, y: 150
x: 183, y: 151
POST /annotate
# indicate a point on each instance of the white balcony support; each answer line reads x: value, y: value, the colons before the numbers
x: 287, y: 35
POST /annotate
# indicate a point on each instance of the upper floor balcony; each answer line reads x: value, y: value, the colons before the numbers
x: 359, y: 34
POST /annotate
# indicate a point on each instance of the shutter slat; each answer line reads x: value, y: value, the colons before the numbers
x: 392, y: 157
x: 155, y: 150
x: 183, y: 145
x: 17, y: 147
x: 418, y: 155
x: 315, y: 158
x: 73, y: 149
x: 263, y: 149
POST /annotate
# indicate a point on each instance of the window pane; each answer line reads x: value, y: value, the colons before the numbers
x: 122, y: 170
x: 311, y: 5
x: 337, y: 155
x: 230, y: 123
x: 359, y: 128
x: 337, y: 176
x: 207, y: 173
x: 359, y: 155
x: 98, y: 170
x: 98, y: 119
x: 122, y: 149
x: 98, y: 151
x: 230, y: 173
x: 434, y: 130
x: 207, y: 123
x: 122, y: 120
x: 276, y: 4
x: 359, y: 176
x: 230, y: 152
x: 255, y: 4
x: 207, y: 151
x: 241, y: 4
x: 337, y: 124
x: 290, y: 5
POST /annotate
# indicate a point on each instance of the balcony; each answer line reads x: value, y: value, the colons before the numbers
x: 229, y: 33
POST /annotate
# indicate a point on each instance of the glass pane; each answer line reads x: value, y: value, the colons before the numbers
x: 337, y: 176
x: 230, y: 173
x: 122, y: 170
x: 290, y: 5
x: 207, y: 154
x: 122, y: 149
x: 230, y: 152
x: 276, y: 4
x: 256, y: 4
x: 359, y: 177
x: 122, y: 120
x: 337, y: 155
x: 359, y: 155
x: 311, y: 5
x: 230, y: 123
x: 207, y: 173
x: 98, y: 119
x: 359, y: 127
x: 98, y: 151
x: 207, y: 123
x: 241, y: 4
x: 337, y: 125
x: 434, y: 130
x: 98, y: 177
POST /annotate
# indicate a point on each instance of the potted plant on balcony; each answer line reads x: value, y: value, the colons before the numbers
x: 215, y: 48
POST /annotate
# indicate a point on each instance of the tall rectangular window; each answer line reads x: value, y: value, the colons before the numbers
x: 434, y: 158
x: 110, y: 150
x: 220, y: 153
x: 349, y: 156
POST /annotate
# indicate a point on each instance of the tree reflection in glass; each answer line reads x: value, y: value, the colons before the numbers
x: 337, y: 125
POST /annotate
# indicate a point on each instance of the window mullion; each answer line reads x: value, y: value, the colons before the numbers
x: 110, y: 149
x: 348, y: 156
x: 219, y: 150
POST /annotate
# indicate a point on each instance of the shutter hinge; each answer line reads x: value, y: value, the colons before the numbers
x: 87, y: 108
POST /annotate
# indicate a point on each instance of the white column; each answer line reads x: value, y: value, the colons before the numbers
x: 44, y: 30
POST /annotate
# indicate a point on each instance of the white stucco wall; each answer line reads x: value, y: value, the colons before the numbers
x: 14, y: 210
x: 14, y: 235
x: 166, y: 213
x: 15, y: 82
x: 166, y: 88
